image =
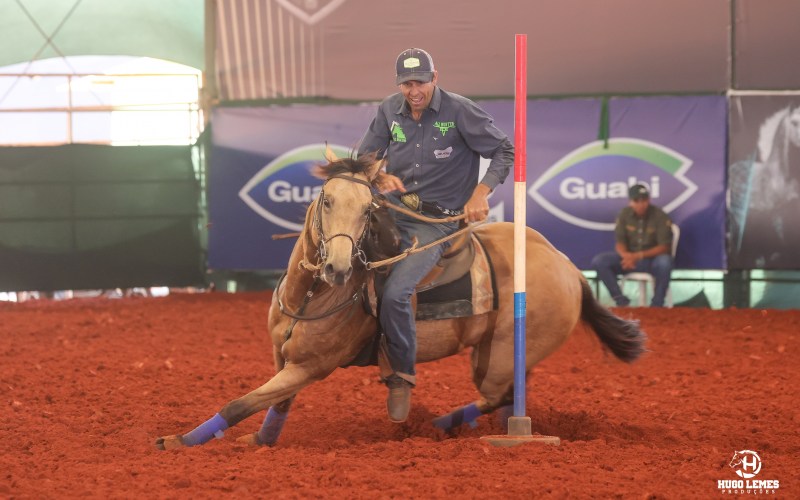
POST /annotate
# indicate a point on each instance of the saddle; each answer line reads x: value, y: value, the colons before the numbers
x: 461, y: 284
x: 455, y: 262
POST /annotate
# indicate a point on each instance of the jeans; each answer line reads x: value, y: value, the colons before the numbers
x: 396, y: 314
x: 609, y: 265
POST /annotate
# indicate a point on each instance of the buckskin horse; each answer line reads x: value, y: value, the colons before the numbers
x: 321, y: 319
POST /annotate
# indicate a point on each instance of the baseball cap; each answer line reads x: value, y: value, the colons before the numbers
x: 638, y: 192
x: 414, y: 64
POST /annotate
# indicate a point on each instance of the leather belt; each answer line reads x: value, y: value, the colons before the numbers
x: 412, y: 201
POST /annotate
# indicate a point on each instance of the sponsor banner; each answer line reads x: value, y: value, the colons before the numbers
x: 260, y: 181
x: 764, y: 182
x: 577, y: 185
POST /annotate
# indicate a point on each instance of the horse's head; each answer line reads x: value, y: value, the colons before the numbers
x: 342, y: 212
x: 793, y: 125
x: 735, y: 460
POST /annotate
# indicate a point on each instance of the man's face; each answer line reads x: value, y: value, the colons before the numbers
x: 418, y: 94
x: 640, y: 206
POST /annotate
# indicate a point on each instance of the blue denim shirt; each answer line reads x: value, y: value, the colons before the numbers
x: 439, y: 157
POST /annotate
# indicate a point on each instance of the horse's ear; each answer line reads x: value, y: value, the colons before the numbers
x: 329, y: 154
x: 374, y: 169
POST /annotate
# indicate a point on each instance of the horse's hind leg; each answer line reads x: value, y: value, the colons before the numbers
x: 469, y: 414
x: 494, y: 381
x: 458, y: 417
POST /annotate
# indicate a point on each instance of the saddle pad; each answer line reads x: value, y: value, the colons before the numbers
x: 473, y: 293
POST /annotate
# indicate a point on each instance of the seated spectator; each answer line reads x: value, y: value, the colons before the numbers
x: 643, y: 235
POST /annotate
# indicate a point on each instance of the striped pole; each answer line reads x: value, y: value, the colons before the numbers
x: 519, y: 426
x: 520, y: 164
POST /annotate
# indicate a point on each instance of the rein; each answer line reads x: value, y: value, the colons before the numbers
x: 382, y: 202
x: 357, y: 252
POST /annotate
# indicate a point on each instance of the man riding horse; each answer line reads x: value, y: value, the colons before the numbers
x: 433, y: 141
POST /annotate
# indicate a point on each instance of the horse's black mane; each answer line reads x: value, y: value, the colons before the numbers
x: 346, y: 166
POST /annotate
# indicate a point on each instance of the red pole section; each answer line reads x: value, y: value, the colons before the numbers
x: 520, y: 108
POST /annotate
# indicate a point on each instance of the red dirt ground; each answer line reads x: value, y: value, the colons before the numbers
x: 87, y: 385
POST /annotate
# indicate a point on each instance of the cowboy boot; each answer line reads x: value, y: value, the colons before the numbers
x: 398, y: 402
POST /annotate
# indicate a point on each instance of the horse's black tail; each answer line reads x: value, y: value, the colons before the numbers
x: 622, y: 337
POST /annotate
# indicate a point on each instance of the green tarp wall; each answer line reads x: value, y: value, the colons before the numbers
x: 88, y: 216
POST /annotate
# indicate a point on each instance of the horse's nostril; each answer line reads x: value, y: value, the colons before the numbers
x: 328, y: 270
x: 341, y: 277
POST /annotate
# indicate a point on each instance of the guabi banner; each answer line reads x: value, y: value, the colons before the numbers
x: 260, y: 181
x: 577, y: 184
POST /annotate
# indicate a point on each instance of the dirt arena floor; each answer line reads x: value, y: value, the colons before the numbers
x: 88, y: 384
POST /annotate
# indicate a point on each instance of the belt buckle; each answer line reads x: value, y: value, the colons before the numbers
x: 412, y: 201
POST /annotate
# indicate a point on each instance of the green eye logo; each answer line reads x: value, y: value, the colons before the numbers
x: 281, y: 190
x: 589, y: 185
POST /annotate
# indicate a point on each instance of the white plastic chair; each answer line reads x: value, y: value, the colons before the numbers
x: 643, y: 279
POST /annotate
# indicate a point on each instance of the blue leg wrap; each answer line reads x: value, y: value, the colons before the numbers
x: 456, y: 418
x: 203, y: 433
x: 272, y: 426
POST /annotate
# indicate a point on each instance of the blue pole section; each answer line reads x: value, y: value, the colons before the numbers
x: 519, y: 354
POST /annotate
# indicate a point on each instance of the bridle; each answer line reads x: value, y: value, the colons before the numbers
x: 322, y: 251
x: 360, y: 293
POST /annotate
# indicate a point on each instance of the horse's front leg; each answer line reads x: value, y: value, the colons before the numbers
x: 280, y: 389
x: 272, y: 426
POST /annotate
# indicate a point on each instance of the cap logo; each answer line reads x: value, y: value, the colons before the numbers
x: 411, y: 62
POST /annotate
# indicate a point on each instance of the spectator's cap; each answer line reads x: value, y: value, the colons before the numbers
x: 638, y: 192
x: 414, y: 64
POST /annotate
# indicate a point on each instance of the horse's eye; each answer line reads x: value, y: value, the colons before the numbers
x: 326, y: 203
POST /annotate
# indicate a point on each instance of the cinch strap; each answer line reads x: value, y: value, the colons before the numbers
x: 203, y: 433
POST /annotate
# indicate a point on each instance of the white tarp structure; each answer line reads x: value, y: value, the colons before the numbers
x: 345, y: 49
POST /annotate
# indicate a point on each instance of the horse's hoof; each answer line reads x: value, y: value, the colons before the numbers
x: 169, y: 443
x: 250, y: 439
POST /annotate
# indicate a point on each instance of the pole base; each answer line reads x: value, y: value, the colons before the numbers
x: 519, y: 432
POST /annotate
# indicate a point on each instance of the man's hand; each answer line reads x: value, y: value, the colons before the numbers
x: 629, y: 260
x: 477, y: 207
x: 386, y: 183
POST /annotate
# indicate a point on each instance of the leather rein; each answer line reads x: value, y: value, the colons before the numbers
x: 360, y: 293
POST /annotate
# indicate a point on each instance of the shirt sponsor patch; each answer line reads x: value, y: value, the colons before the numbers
x: 441, y: 154
x: 444, y: 126
x: 397, y: 133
